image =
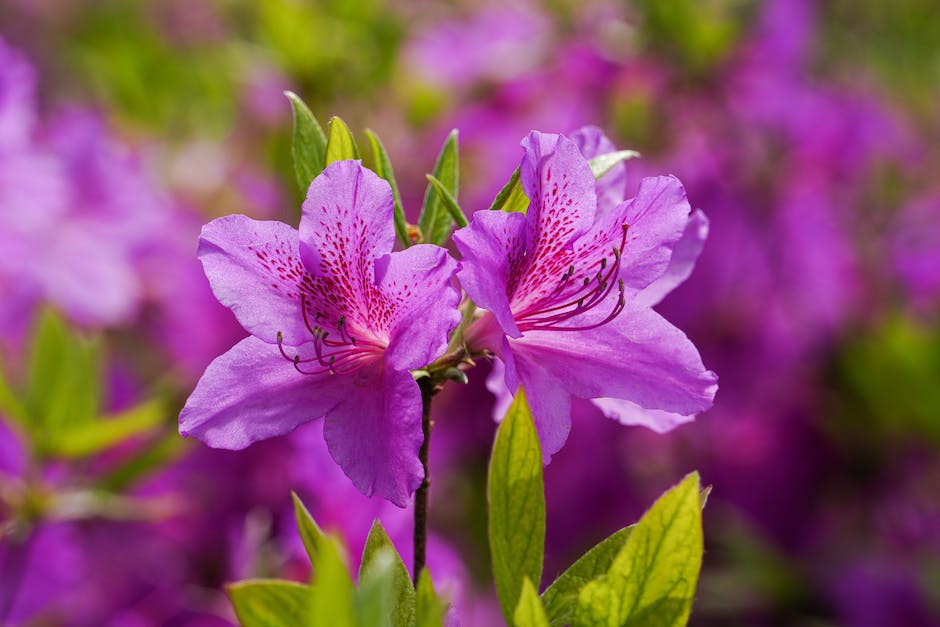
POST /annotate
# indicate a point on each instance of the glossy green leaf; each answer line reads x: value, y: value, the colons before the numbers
x: 511, y: 197
x: 85, y: 439
x: 310, y: 533
x: 652, y: 580
x: 529, y: 612
x: 435, y: 221
x: 383, y: 167
x: 309, y: 143
x: 516, y: 498
x: 271, y: 603
x: 430, y: 608
x: 561, y: 597
x: 602, y: 164
x: 450, y: 203
x: 402, y: 607
x: 334, y: 595
x: 340, y: 143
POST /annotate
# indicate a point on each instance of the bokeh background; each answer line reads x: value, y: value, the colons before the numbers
x: 807, y: 131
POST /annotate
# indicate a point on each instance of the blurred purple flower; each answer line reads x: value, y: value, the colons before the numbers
x: 337, y: 322
x: 495, y: 43
x: 564, y: 288
x: 17, y: 98
x: 915, y: 250
x: 881, y: 593
x: 79, y: 217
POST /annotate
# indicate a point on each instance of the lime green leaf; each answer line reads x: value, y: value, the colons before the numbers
x: 154, y: 456
x: 430, y: 607
x: 310, y: 532
x: 340, y: 145
x: 10, y: 405
x: 511, y: 197
x: 516, y: 499
x: 561, y: 597
x: 529, y: 612
x: 334, y: 594
x: 63, y: 384
x: 602, y: 164
x: 85, y: 439
x: 271, y: 603
x: 383, y: 167
x: 652, y: 580
x: 403, y: 593
x: 375, y: 597
x: 309, y: 143
x: 435, y: 221
x: 450, y: 203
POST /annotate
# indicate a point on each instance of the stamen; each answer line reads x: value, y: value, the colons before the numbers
x: 552, y: 317
x: 332, y: 355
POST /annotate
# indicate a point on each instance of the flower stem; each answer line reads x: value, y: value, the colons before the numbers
x: 421, y: 496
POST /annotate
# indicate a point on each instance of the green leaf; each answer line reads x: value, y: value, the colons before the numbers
x: 310, y: 532
x: 375, y: 597
x: 10, y: 405
x: 516, y: 498
x: 511, y: 197
x: 561, y: 597
x: 309, y: 143
x: 602, y: 164
x: 529, y: 612
x: 63, y: 384
x: 450, y: 203
x: 435, y: 221
x: 340, y: 145
x: 383, y: 167
x: 652, y: 580
x: 85, y: 439
x: 334, y: 595
x: 271, y: 603
x: 430, y: 608
x: 155, y: 456
x: 402, y: 608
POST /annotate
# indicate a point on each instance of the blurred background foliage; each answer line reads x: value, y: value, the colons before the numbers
x: 807, y: 131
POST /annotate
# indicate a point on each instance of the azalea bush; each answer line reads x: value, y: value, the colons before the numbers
x: 449, y: 359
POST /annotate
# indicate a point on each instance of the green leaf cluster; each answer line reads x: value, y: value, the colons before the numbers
x: 645, y: 574
x: 58, y: 406
x: 313, y: 150
x: 384, y: 595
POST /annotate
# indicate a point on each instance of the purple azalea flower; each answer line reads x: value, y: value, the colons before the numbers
x: 337, y: 322
x: 565, y: 289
